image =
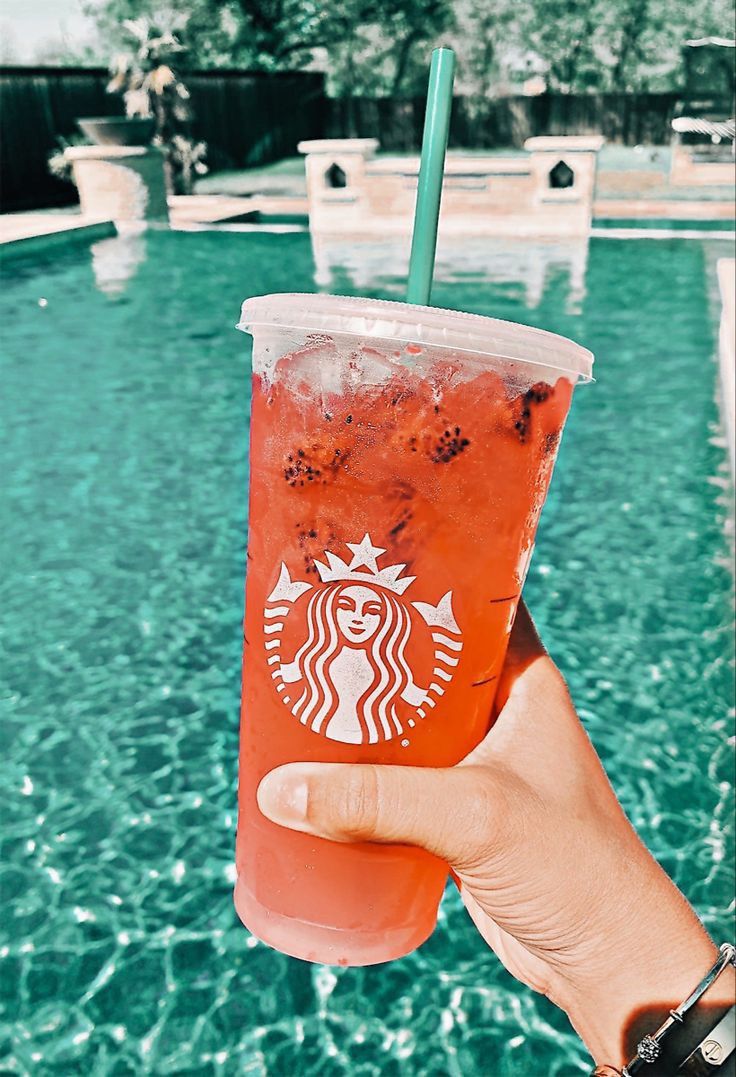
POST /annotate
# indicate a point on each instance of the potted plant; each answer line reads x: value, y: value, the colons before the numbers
x: 143, y: 74
x: 156, y: 100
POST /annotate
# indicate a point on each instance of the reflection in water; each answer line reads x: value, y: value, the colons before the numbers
x: 369, y: 264
x: 116, y: 260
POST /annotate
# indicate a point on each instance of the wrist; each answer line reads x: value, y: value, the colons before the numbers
x: 612, y: 1021
x: 648, y: 959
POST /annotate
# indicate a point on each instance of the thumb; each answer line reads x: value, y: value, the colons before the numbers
x: 455, y: 813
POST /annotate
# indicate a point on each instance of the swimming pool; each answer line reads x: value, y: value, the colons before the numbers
x: 123, y: 414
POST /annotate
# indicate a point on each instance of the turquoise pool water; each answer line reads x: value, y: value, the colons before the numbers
x: 124, y: 418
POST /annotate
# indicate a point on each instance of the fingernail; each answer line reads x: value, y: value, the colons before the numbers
x: 283, y: 795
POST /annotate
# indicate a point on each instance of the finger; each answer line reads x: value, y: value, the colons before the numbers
x: 525, y: 647
x: 524, y: 642
x: 533, y: 708
x: 531, y: 702
x: 455, y: 813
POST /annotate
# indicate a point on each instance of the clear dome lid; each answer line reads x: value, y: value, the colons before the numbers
x: 429, y: 326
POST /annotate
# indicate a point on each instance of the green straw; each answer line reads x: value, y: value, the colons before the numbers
x: 431, y: 171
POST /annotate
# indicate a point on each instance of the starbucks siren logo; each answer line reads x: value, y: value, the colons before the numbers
x: 351, y: 679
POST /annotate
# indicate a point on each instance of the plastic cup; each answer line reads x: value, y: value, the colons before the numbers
x: 400, y: 458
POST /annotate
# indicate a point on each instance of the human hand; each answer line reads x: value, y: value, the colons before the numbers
x: 549, y: 868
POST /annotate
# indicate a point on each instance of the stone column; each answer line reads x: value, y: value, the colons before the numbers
x: 126, y: 184
x: 336, y: 182
x: 563, y: 170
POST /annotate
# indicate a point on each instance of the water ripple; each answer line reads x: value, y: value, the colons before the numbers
x: 124, y: 519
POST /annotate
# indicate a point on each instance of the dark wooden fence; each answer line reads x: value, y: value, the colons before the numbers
x: 249, y: 119
x: 36, y: 106
x: 246, y: 118
x: 631, y: 119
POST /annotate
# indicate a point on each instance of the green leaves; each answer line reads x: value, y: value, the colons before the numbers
x: 380, y: 47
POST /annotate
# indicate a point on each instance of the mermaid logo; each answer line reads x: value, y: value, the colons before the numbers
x: 351, y: 679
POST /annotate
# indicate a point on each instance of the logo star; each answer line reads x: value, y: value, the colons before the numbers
x: 364, y: 553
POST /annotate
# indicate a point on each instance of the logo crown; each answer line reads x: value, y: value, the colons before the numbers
x: 363, y: 568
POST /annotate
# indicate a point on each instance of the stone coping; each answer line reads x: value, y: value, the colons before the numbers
x: 203, y: 209
x: 18, y: 228
x: 727, y: 352
x: 455, y: 165
x: 565, y: 143
x: 104, y: 153
x: 539, y: 144
x: 664, y: 209
x: 339, y: 145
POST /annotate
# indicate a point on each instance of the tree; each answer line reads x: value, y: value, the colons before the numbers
x: 380, y: 47
x: 388, y: 57
x: 562, y: 33
x: 491, y: 38
x: 623, y: 45
x: 276, y: 35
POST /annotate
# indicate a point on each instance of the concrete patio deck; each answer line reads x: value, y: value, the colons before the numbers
x: 204, y: 208
x: 17, y: 227
x: 190, y: 211
x: 186, y: 211
x: 664, y: 209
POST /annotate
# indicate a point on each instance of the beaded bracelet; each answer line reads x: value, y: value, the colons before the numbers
x: 650, y: 1048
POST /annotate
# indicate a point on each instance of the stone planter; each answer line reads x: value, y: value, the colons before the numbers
x: 118, y: 130
x: 125, y: 184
